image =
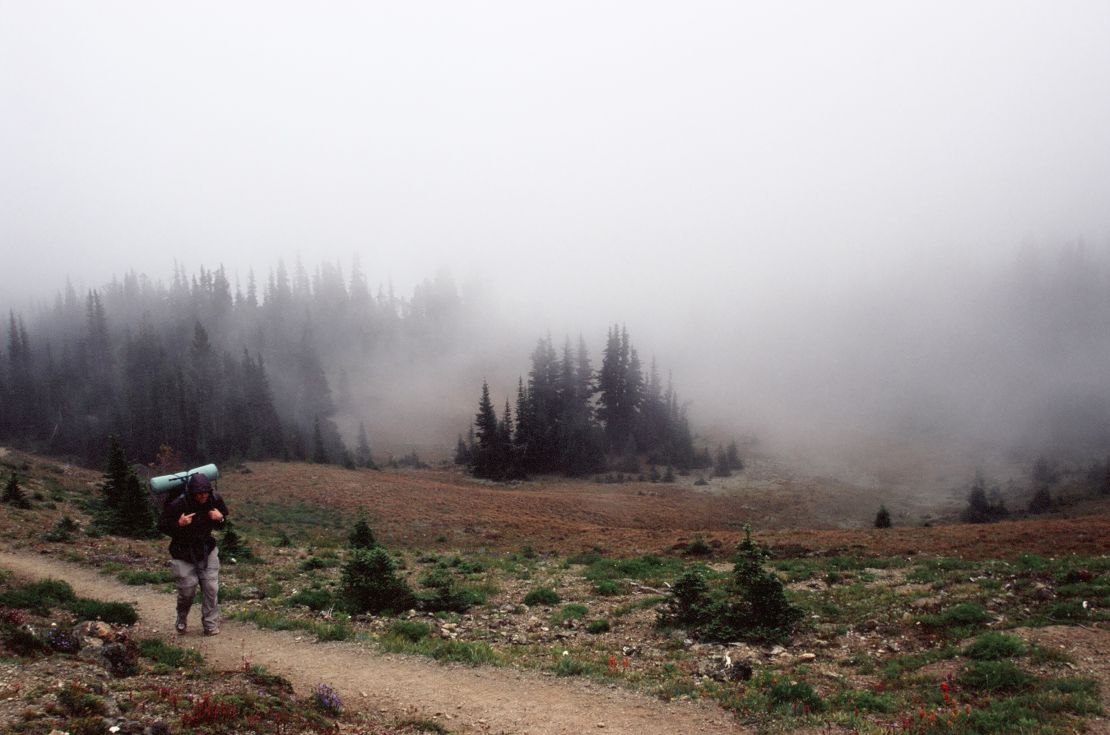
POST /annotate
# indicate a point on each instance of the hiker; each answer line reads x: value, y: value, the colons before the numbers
x: 189, y: 520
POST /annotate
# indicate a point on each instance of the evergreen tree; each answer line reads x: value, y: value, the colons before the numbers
x: 361, y: 537
x: 721, y: 467
x: 232, y: 544
x: 980, y: 507
x: 369, y: 583
x: 319, y: 451
x: 485, y: 459
x: 14, y: 495
x: 733, y: 456
x: 462, y: 452
x: 1041, y: 501
x: 362, y: 454
x: 506, y: 457
x: 266, y: 438
x: 125, y: 504
x: 882, y: 518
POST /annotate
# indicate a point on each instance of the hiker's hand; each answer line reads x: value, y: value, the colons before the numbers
x: 185, y: 519
x: 215, y: 515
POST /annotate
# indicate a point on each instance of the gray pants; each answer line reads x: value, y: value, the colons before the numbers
x: 208, y: 577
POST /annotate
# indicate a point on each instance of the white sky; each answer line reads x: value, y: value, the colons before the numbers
x: 678, y: 148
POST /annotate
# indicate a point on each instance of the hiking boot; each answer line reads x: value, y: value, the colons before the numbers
x: 212, y: 631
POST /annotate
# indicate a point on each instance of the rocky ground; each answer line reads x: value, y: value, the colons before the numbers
x: 879, y: 640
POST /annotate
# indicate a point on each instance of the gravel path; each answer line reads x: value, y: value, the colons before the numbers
x: 463, y: 699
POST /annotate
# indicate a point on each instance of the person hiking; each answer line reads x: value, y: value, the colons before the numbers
x: 189, y: 521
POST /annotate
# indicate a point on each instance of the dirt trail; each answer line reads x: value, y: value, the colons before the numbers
x: 465, y: 700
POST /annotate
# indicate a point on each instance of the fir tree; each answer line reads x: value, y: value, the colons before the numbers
x: 485, y: 459
x: 232, y: 543
x: 733, y: 455
x: 462, y: 452
x: 361, y: 537
x: 125, y: 504
x: 14, y: 495
x: 722, y: 467
x: 362, y: 453
x: 882, y: 518
x: 319, y: 451
x: 369, y: 583
x: 1041, y: 501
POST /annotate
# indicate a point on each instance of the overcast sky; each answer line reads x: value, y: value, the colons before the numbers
x: 681, y: 145
x: 676, y: 166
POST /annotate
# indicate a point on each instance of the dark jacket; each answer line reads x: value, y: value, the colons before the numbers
x: 194, y: 542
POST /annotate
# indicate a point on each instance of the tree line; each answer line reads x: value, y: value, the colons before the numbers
x: 572, y: 419
x: 215, y: 370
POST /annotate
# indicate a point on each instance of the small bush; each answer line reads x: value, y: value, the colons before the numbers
x: 138, y: 576
x: 77, y: 701
x: 995, y: 676
x: 995, y: 646
x: 573, y: 611
x: 166, y: 655
x: 410, y: 630
x: 313, y: 563
x: 865, y: 701
x: 542, y: 596
x: 698, y: 547
x: 332, y: 632
x: 13, y: 494
x: 23, y: 642
x: 446, y: 595
x: 958, y: 616
x: 314, y: 599
x: 598, y: 626
x: 109, y: 612
x: 570, y: 666
x: 64, y: 530
x: 796, y: 694
x: 472, y: 654
x: 369, y: 583
x: 689, y: 601
x: 608, y: 588
x: 40, y: 596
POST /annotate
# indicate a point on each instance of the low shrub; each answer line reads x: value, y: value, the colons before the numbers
x: 410, y: 630
x: 608, y: 588
x: 166, y: 655
x: 77, y: 701
x: 64, y: 530
x: 369, y: 583
x: 570, y: 666
x: 995, y: 676
x: 798, y: 695
x: 39, y: 597
x: 573, y: 611
x: 109, y: 612
x: 598, y: 626
x: 314, y: 599
x: 138, y: 576
x: 542, y: 596
x: 995, y: 646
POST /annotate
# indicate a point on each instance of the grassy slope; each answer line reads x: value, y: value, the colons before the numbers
x: 884, y: 646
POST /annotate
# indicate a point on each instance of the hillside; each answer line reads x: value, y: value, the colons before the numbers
x: 890, y: 616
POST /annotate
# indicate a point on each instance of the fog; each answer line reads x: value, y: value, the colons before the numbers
x: 823, y: 220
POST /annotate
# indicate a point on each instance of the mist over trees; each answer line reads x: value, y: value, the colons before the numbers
x: 569, y: 419
x: 214, y: 370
